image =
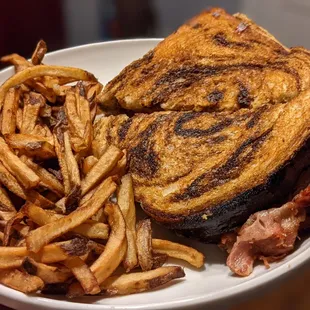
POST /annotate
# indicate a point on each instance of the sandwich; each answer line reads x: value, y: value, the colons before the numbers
x: 214, y: 62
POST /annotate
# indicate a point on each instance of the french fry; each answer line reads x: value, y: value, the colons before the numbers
x: 116, y: 246
x: 140, y: 281
x: 20, y: 63
x: 120, y: 168
x: 125, y: 200
x: 47, y: 179
x: 19, y: 118
x: 88, y: 163
x: 179, y: 251
x: 17, y: 218
x: 49, y: 274
x: 100, y: 144
x: 42, y: 89
x: 89, y: 229
x: 43, y: 70
x: 43, y: 235
x: 55, y: 252
x: 20, y: 281
x: 39, y: 53
x: 159, y: 260
x: 60, y: 151
x: 12, y: 185
x: 99, y: 216
x: 83, y: 274
x: 32, y: 146
x: 144, y: 244
x: 104, y: 165
x: 7, y: 209
x: 20, y: 170
x: 33, y: 102
x: 10, y: 107
x: 73, y: 169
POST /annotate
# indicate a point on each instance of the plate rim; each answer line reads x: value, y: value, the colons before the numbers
x: 12, y: 296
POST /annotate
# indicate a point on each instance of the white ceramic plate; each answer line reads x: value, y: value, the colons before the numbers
x: 214, y: 283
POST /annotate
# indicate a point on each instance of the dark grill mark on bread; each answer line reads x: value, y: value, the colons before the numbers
x: 220, y: 39
x: 215, y: 97
x: 256, y: 117
x: 195, y: 132
x: 142, y: 158
x: 122, y: 131
x: 244, y: 99
x: 223, y: 174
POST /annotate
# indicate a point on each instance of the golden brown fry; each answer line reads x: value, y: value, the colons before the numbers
x: 105, y: 164
x: 8, y: 180
x: 49, y: 274
x: 73, y: 168
x: 43, y: 70
x: 159, y: 260
x: 140, y: 281
x: 92, y: 90
x: 120, y: 168
x: 99, y: 216
x: 89, y: 229
x: 88, y: 163
x: 100, y: 144
x: 10, y: 107
x: 39, y: 53
x: 20, y: 281
x: 42, y: 89
x: 46, y: 111
x: 20, y: 63
x: 17, y: 218
x: 55, y: 252
x: 144, y: 244
x: 116, y: 246
x: 47, y: 179
x: 126, y: 202
x: 179, y: 251
x: 60, y: 151
x: 32, y: 146
x: 43, y: 235
x: 43, y: 131
x: 7, y: 209
x: 19, y: 169
x: 83, y: 274
x: 19, y: 118
x: 33, y: 102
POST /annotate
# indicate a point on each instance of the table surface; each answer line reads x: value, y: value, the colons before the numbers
x: 292, y: 294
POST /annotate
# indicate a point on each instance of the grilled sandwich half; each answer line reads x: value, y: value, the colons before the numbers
x: 214, y: 62
x: 202, y: 174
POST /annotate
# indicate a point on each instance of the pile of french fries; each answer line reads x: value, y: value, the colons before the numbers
x: 67, y: 210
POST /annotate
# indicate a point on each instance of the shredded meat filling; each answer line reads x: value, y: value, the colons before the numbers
x: 267, y: 235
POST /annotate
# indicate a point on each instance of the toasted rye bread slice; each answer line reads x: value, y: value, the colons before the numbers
x: 214, y: 62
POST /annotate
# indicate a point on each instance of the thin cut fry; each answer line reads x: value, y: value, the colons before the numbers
x: 30, y: 145
x: 20, y: 63
x: 20, y: 281
x: 47, y: 179
x: 73, y: 169
x: 88, y: 163
x: 19, y: 118
x: 120, y: 168
x: 105, y: 164
x: 89, y: 229
x: 49, y: 274
x: 179, y: 251
x: 33, y: 102
x: 43, y: 235
x: 140, y: 281
x: 39, y: 53
x: 19, y: 169
x: 126, y: 202
x: 116, y: 246
x: 7, y: 209
x: 83, y: 274
x: 144, y: 244
x: 31, y: 195
x: 43, y: 70
x: 9, y: 112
